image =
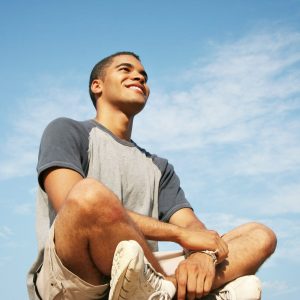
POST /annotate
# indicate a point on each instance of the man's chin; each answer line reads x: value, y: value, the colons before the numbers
x: 133, y: 107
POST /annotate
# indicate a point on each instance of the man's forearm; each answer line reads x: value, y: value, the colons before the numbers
x: 154, y: 229
x: 192, y: 235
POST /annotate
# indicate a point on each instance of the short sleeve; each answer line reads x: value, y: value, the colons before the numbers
x: 64, y: 144
x: 171, y: 197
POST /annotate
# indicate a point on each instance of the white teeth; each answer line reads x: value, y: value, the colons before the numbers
x: 135, y: 88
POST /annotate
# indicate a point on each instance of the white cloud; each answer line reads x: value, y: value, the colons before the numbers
x: 5, y: 232
x: 245, y: 96
x: 276, y: 286
x: 287, y: 230
x: 222, y: 222
x: 289, y: 250
x: 33, y: 190
x: 286, y: 199
x: 4, y: 261
x: 52, y: 100
x: 24, y: 208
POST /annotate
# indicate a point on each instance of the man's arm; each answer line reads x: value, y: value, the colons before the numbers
x: 196, y: 274
x: 184, y: 228
x: 191, y: 235
x: 187, y: 219
x: 58, y: 182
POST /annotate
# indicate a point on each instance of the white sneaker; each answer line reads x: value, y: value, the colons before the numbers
x: 133, y: 278
x: 242, y: 288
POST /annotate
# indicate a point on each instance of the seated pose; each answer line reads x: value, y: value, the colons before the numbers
x: 104, y: 203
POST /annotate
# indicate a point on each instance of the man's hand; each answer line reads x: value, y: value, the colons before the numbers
x: 195, y: 276
x: 203, y: 239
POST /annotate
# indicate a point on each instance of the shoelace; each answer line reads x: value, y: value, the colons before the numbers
x: 160, y: 295
x: 152, y: 277
x: 224, y: 295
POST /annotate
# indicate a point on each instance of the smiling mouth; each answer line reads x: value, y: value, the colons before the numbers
x: 136, y: 88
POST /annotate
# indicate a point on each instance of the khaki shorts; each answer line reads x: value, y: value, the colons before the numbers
x: 55, y: 282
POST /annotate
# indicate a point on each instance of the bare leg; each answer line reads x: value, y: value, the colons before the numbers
x: 249, y: 246
x: 89, y: 227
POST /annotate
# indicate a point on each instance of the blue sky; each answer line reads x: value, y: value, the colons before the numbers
x: 224, y: 109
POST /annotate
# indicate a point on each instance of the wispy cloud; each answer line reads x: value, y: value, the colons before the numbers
x: 222, y: 222
x: 4, y: 261
x: 246, y: 96
x: 287, y: 230
x: 53, y: 99
x: 289, y: 250
x: 5, y: 232
x: 277, y: 287
x: 286, y: 199
x: 24, y: 208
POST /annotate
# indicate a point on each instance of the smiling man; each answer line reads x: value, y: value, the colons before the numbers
x: 104, y: 203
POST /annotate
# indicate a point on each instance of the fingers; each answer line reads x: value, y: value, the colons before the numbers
x: 219, y: 245
x: 222, y: 250
x: 189, y: 284
x: 195, y: 287
x: 207, y: 283
x: 181, y: 276
x: 195, y: 277
x: 194, y: 281
x: 191, y: 287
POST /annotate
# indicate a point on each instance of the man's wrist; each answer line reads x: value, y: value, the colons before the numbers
x: 212, y: 254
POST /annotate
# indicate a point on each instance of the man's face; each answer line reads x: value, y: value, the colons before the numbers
x: 125, y: 84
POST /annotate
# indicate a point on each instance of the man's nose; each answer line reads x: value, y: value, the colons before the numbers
x: 138, y: 76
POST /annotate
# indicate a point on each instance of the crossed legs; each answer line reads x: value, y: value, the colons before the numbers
x: 88, y: 229
x: 92, y: 222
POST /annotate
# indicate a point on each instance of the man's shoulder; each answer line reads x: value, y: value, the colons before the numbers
x: 66, y: 131
x: 68, y: 122
x: 64, y: 125
x: 65, y: 143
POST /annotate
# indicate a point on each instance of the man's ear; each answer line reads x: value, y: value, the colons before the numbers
x: 96, y: 86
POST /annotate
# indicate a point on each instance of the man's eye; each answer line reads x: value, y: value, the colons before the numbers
x: 125, y: 69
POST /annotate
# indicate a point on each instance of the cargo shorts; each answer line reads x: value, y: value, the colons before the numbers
x: 55, y: 282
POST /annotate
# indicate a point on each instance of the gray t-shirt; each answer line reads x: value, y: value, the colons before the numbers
x: 144, y: 183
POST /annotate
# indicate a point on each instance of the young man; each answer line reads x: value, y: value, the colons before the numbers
x: 103, y: 203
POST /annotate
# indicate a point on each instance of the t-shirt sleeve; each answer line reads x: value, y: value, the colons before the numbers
x: 171, y: 197
x: 62, y: 145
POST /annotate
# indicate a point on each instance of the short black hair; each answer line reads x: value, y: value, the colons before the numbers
x: 98, y: 71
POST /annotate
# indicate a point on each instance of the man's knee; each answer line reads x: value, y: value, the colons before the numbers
x: 91, y: 201
x: 265, y: 236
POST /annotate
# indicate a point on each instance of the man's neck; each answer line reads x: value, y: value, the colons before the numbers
x: 117, y: 122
